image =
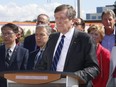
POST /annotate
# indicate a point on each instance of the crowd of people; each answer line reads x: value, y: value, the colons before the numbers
x: 67, y: 48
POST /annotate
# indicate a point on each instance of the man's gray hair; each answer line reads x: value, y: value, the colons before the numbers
x: 46, y: 26
x: 108, y: 11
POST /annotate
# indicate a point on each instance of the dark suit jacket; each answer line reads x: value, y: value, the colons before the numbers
x: 31, y: 59
x: 18, y: 61
x: 81, y: 57
x: 30, y: 43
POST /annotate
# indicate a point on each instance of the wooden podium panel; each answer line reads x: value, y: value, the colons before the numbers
x: 32, y: 77
x: 38, y: 78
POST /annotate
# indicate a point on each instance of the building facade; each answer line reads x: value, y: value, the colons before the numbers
x: 99, y: 10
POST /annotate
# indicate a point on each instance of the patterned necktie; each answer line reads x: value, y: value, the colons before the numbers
x: 7, y: 58
x: 114, y: 73
x: 57, y: 54
x: 38, y: 58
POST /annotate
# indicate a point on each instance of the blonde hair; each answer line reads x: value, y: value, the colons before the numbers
x: 98, y: 28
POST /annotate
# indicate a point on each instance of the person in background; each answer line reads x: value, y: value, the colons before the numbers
x: 29, y: 41
x: 112, y: 76
x: 70, y: 50
x: 12, y: 56
x: 108, y: 20
x: 109, y: 40
x: 79, y: 24
x: 103, y: 56
x: 20, y: 34
x: 42, y: 33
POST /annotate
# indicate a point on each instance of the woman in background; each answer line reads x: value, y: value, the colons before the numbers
x: 103, y: 55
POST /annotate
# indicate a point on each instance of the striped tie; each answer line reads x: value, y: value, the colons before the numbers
x: 7, y: 59
x: 57, y: 54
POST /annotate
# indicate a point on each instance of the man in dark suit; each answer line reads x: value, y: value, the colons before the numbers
x: 12, y: 56
x: 29, y: 41
x: 42, y: 33
x: 78, y: 53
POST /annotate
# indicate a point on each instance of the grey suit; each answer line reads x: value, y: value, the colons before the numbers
x: 81, y: 57
x: 18, y: 61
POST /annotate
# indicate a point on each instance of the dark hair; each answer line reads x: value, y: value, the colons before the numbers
x: 22, y: 31
x: 13, y: 27
x: 71, y: 13
x: 82, y: 22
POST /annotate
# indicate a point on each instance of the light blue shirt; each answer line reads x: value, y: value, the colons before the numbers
x: 108, y: 42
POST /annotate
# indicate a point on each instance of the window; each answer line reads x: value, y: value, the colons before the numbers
x: 87, y: 16
x: 99, y: 9
x: 94, y: 17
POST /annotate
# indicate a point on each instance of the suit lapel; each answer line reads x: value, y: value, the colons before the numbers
x: 72, y: 46
x: 2, y: 58
x: 53, y: 41
x: 2, y: 52
x: 34, y: 55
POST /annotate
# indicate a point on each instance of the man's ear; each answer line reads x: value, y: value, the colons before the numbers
x: 17, y: 35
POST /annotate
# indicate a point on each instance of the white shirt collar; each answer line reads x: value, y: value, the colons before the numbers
x: 69, y: 34
x: 12, y: 48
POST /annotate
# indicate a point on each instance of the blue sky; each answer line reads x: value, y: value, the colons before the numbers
x: 21, y: 10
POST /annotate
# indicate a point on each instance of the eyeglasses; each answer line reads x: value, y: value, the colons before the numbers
x: 7, y: 34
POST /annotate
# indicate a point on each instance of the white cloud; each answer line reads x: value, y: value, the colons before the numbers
x: 13, y: 12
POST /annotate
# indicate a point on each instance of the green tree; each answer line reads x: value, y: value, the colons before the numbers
x: 27, y: 33
x: 1, y: 40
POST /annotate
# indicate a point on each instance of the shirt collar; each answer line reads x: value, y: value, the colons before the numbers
x: 12, y: 48
x: 69, y: 34
x: 114, y: 30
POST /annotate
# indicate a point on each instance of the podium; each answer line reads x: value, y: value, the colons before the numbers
x: 42, y: 79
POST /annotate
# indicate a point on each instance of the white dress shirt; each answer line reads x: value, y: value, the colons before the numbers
x: 67, y: 40
x: 11, y: 50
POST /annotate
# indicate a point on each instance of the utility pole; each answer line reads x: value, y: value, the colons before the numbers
x: 78, y: 8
